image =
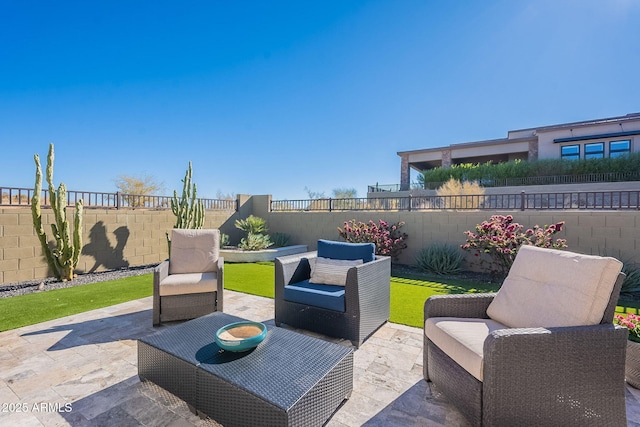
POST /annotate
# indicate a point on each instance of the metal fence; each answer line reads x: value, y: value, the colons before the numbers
x: 588, y: 200
x: 532, y: 180
x: 12, y: 196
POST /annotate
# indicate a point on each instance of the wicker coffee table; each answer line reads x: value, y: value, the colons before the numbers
x: 290, y: 379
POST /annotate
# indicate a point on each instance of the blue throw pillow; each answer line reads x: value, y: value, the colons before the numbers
x: 343, y: 250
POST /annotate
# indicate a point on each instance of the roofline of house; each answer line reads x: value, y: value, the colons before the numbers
x: 627, y: 117
x: 485, y: 143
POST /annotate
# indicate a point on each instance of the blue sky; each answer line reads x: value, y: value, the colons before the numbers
x: 270, y: 97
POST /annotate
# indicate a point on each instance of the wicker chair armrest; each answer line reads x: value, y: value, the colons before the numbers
x: 220, y: 284
x: 292, y: 269
x: 573, y: 363
x: 160, y: 273
x: 368, y: 283
x: 458, y: 305
x: 504, y: 345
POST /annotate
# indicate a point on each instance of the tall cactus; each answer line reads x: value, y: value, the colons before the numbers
x: 63, y: 258
x: 189, y: 212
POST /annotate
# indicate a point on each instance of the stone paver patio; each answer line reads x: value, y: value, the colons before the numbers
x: 81, y: 370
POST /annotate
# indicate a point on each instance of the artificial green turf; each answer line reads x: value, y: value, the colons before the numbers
x: 408, y: 294
x: 250, y: 278
x: 34, y: 308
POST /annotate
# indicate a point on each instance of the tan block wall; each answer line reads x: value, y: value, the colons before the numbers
x: 615, y: 233
x: 111, y: 239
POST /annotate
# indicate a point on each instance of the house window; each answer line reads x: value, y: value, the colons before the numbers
x: 570, y: 152
x: 594, y: 150
x: 619, y: 148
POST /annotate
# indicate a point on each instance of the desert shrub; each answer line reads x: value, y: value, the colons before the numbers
x: 279, y: 239
x: 252, y: 225
x: 460, y: 194
x: 522, y: 168
x: 388, y: 238
x: 631, y: 285
x: 440, y: 258
x: 500, y: 238
x: 224, y: 240
x: 255, y: 242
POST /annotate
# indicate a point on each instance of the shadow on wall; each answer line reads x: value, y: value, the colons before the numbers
x: 99, y: 247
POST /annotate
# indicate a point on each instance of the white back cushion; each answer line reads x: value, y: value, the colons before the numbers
x: 194, y: 251
x: 549, y: 288
x: 330, y: 271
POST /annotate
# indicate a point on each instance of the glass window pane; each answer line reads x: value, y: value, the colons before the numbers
x: 594, y: 148
x: 570, y: 152
x: 620, y: 146
x: 618, y: 154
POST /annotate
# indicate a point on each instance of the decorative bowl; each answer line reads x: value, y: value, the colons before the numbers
x: 241, y: 336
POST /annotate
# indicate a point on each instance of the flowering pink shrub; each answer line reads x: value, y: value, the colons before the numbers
x: 631, y: 322
x: 387, y: 237
x: 500, y: 238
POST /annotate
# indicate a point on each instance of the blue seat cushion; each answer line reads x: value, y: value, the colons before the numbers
x: 330, y: 297
x: 343, y: 250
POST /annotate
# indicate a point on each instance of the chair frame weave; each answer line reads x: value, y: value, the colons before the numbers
x: 367, y: 299
x: 570, y: 376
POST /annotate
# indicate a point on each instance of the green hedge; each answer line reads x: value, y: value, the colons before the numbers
x: 525, y: 169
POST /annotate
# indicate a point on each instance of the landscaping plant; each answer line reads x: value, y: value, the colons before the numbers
x: 460, y: 194
x: 224, y: 240
x: 279, y: 240
x: 255, y: 227
x: 485, y: 172
x: 500, y: 238
x: 388, y: 238
x: 631, y: 284
x: 189, y: 211
x: 631, y: 322
x: 440, y: 259
x: 63, y: 257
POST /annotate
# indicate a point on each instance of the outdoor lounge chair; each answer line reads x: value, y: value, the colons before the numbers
x: 346, y: 296
x: 542, y: 351
x: 190, y: 283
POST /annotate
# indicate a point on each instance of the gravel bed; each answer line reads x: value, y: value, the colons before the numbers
x: 33, y: 286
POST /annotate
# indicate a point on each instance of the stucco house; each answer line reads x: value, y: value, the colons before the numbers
x: 598, y: 138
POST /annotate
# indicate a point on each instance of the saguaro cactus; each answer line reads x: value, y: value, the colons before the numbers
x: 63, y: 258
x: 189, y: 212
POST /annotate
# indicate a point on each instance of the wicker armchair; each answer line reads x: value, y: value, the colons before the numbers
x: 363, y: 305
x: 190, y: 283
x: 536, y: 376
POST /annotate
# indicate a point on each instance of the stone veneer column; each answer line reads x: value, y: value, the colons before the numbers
x: 446, y: 158
x: 404, y: 173
x: 533, y: 150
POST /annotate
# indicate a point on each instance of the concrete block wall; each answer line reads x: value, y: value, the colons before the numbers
x: 116, y: 238
x: 614, y: 233
x: 111, y: 239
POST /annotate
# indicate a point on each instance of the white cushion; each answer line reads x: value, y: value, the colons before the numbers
x: 462, y: 339
x: 550, y: 288
x: 194, y: 251
x: 330, y: 271
x: 189, y: 283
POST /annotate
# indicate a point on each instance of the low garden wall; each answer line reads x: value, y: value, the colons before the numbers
x: 121, y: 238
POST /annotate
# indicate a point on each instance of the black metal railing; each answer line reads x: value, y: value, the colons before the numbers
x: 12, y: 196
x: 516, y: 182
x: 550, y: 180
x: 592, y: 200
